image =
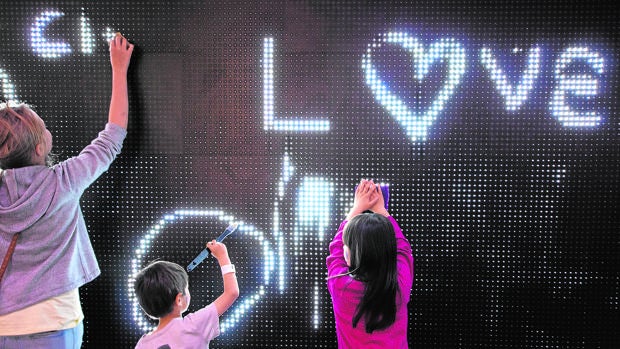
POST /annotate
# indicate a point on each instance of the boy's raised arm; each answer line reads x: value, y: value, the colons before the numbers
x: 231, y: 287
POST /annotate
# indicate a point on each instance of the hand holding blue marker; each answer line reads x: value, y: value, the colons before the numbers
x: 205, y: 253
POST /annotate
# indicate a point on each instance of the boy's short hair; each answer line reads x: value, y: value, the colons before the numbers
x: 158, y: 285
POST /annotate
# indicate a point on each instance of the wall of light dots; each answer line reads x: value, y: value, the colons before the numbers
x: 495, y: 125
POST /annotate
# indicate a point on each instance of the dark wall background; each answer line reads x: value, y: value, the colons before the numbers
x: 512, y: 215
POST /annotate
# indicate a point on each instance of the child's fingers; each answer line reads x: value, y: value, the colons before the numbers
x: 115, y: 39
x: 121, y: 42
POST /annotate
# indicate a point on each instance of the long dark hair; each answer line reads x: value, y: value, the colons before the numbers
x: 372, y: 244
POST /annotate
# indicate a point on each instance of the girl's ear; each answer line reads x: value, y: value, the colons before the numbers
x: 347, y: 254
x: 38, y: 158
x: 39, y: 149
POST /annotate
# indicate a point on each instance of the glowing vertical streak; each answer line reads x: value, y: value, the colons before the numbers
x: 8, y: 89
x: 312, y: 217
x: 287, y: 171
x: 88, y: 42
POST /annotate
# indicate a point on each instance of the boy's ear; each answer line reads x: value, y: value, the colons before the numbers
x: 179, y: 299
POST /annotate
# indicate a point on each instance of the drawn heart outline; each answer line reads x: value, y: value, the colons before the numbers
x: 414, y: 122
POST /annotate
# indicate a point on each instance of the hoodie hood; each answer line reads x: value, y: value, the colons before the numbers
x: 23, y: 200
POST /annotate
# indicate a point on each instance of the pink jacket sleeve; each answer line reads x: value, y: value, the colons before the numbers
x: 404, y: 262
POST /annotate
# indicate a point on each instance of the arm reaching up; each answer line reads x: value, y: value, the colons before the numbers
x: 231, y: 287
x: 120, y: 54
x: 367, y: 197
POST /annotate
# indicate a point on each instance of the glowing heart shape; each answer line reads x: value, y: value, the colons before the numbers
x: 415, y: 122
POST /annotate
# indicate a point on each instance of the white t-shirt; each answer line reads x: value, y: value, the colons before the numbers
x: 195, y: 330
x: 57, y: 313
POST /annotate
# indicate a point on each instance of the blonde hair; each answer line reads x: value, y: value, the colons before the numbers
x: 21, y: 130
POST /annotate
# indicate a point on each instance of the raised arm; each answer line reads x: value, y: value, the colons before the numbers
x: 231, y: 287
x: 120, y: 54
x: 367, y: 197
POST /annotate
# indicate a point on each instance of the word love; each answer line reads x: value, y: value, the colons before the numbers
x: 576, y: 74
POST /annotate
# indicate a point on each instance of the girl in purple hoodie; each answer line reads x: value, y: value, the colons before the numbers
x: 40, y: 217
x: 370, y: 275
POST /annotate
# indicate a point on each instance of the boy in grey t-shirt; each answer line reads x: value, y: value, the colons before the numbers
x: 162, y: 290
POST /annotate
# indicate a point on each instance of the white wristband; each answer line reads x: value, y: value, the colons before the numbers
x: 227, y: 269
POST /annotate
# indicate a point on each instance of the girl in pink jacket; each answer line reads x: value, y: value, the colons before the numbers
x: 370, y: 275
